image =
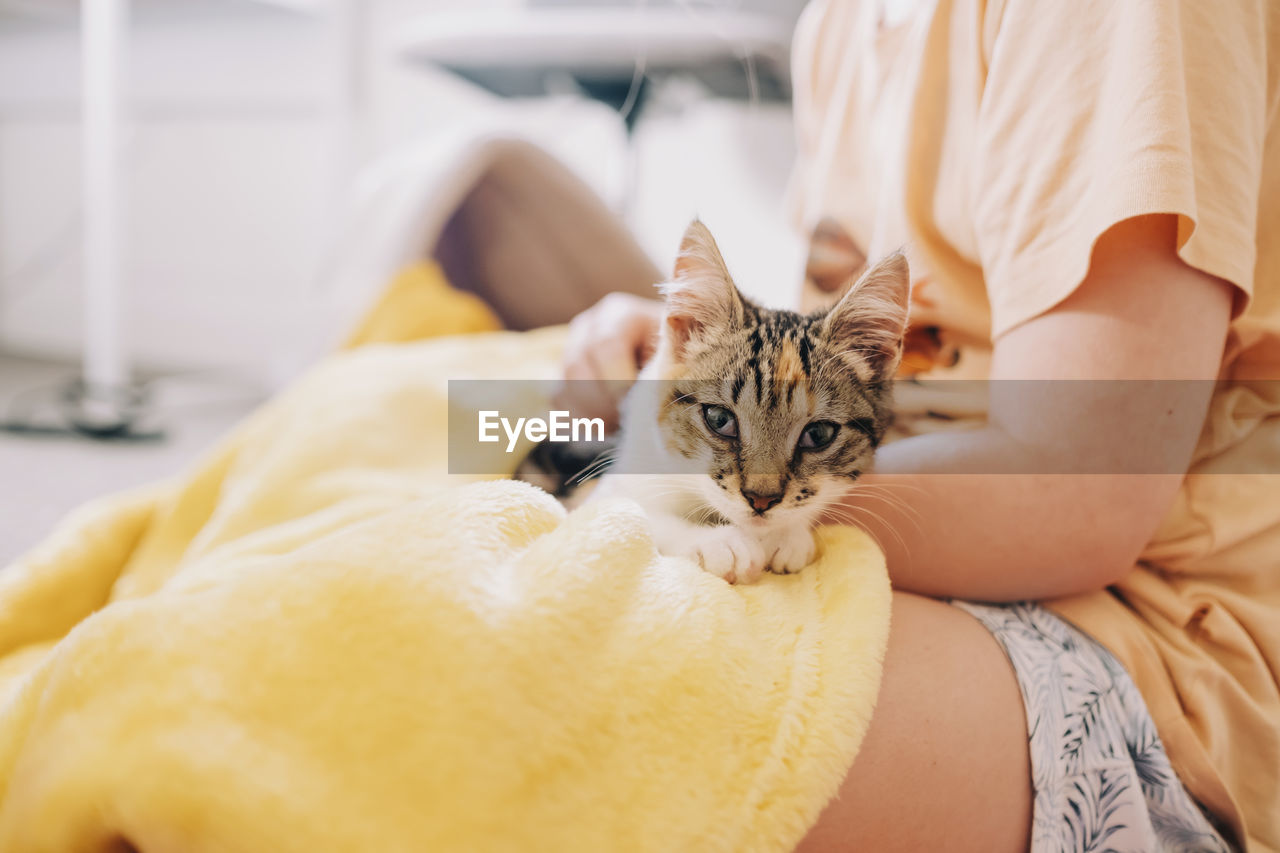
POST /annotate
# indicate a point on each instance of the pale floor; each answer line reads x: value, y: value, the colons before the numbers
x: 42, y: 477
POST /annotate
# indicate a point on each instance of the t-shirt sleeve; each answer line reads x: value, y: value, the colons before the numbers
x: 1097, y: 111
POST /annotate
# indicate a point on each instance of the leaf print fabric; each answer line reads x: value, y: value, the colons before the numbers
x: 1102, y: 780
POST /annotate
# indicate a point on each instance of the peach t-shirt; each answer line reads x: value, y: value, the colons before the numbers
x: 998, y: 140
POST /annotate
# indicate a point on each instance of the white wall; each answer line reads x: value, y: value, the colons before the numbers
x: 231, y: 168
x: 728, y: 164
x: 225, y: 167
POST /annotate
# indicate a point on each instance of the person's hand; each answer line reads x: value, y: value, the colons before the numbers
x: 608, y: 344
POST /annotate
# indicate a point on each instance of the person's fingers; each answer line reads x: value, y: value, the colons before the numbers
x: 642, y: 334
x: 605, y: 347
x: 613, y: 371
x: 583, y: 392
x: 614, y: 359
x: 576, y: 342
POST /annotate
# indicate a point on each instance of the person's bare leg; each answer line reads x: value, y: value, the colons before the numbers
x: 944, y: 765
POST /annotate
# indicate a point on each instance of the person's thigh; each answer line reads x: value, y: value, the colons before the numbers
x: 944, y: 765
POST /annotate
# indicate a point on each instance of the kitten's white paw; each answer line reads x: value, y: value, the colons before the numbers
x: 729, y: 553
x: 791, y: 551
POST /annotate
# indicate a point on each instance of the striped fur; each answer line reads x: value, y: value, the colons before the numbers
x: 779, y: 373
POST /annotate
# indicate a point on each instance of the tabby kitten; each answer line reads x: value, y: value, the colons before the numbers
x: 756, y: 420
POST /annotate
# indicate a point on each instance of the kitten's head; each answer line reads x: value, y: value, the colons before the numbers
x: 781, y: 410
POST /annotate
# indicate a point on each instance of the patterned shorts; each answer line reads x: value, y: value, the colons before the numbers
x: 1101, y: 776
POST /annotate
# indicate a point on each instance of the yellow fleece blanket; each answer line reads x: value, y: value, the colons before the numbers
x: 317, y: 640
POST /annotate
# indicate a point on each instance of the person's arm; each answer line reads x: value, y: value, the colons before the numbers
x: 1140, y: 314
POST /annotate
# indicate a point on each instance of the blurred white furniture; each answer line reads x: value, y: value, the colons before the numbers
x: 702, y: 88
x: 608, y: 50
x: 106, y: 401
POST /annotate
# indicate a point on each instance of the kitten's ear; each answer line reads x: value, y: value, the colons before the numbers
x: 701, y: 297
x: 871, y: 318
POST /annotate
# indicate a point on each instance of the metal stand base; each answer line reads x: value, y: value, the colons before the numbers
x: 105, y: 413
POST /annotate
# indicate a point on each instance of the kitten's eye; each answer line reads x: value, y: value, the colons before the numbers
x: 721, y: 421
x: 818, y: 435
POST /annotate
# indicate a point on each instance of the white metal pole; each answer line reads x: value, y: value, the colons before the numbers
x: 346, y: 22
x: 103, y: 31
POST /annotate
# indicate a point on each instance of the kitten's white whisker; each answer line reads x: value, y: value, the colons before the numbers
x: 597, y: 462
x: 703, y: 515
x: 911, y: 515
x: 844, y: 512
x: 677, y: 400
x: 853, y: 522
x: 603, y: 460
x: 889, y: 487
x: 865, y: 528
x: 897, y: 502
x: 890, y: 499
x: 588, y: 473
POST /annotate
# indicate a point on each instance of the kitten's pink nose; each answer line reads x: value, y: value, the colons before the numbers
x: 761, y: 502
